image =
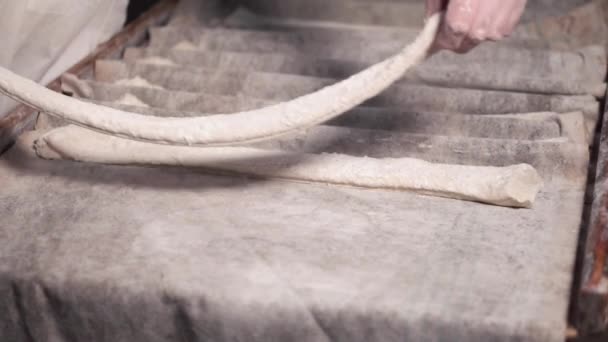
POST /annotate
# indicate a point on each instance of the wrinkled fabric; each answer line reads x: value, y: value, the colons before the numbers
x: 43, y: 38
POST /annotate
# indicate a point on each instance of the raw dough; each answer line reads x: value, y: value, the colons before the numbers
x: 138, y: 82
x: 132, y: 100
x: 514, y: 186
x: 157, y: 61
x: 238, y: 128
x: 185, y: 45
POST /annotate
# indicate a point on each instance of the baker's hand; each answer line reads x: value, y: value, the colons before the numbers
x: 470, y: 22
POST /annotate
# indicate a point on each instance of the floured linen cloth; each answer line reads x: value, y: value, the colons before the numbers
x: 43, y: 38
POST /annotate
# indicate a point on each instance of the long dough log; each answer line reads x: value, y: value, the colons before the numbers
x: 513, y: 186
x: 238, y: 128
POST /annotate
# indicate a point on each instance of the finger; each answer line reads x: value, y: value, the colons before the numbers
x: 448, y: 39
x: 514, y: 15
x: 467, y: 45
x: 460, y: 14
x: 485, y: 26
x: 499, y: 29
x: 458, y: 19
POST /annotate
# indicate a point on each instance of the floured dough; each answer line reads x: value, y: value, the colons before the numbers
x: 138, y: 82
x: 157, y: 61
x: 184, y: 45
x: 514, y: 186
x: 228, y: 129
x: 131, y: 100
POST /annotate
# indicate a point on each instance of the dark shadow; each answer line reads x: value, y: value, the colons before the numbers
x: 137, y: 8
x: 596, y: 179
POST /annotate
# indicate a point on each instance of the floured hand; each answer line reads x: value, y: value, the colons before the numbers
x: 470, y: 22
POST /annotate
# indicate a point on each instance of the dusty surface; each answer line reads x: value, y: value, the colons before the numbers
x: 154, y: 253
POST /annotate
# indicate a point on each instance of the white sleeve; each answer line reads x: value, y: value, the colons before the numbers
x: 43, y: 38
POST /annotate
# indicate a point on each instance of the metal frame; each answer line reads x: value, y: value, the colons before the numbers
x: 591, y: 296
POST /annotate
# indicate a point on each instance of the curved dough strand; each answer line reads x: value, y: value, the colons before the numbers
x: 238, y: 128
x: 512, y: 186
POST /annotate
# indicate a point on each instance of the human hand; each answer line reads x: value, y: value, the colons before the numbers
x: 469, y: 22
